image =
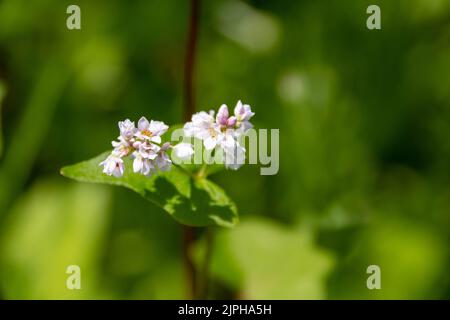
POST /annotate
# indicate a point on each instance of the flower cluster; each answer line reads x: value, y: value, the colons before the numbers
x: 144, y: 145
x: 222, y: 131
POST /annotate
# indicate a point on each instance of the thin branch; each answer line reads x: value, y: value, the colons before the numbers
x: 204, y: 276
x: 189, y: 268
x: 189, y: 66
x: 189, y: 109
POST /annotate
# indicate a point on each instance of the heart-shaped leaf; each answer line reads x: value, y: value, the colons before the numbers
x: 188, y: 199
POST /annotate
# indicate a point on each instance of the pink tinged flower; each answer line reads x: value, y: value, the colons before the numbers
x: 222, y: 115
x: 183, y: 150
x: 204, y: 127
x: 243, y: 113
x: 231, y: 122
x: 113, y: 166
x: 158, y: 128
x: 122, y: 147
x: 201, y: 122
x: 143, y: 124
x: 151, y: 131
x: 162, y: 161
x: 148, y: 150
x: 127, y: 129
x: 141, y: 164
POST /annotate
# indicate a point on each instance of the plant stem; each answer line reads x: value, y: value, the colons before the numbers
x: 189, y: 109
x: 202, y: 172
x: 189, y: 66
x: 189, y: 268
x: 204, y: 276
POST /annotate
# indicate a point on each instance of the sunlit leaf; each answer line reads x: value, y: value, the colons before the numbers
x: 189, y: 200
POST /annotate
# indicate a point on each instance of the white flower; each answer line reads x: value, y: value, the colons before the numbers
x: 144, y: 142
x: 204, y: 127
x: 148, y: 150
x: 243, y: 113
x: 113, y: 165
x: 122, y: 147
x: 141, y: 164
x: 234, y: 157
x: 162, y: 161
x: 183, y: 150
x: 222, y: 131
x: 127, y: 129
x: 151, y: 131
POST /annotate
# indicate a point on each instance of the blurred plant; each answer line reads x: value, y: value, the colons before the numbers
x: 65, y: 225
x: 265, y: 260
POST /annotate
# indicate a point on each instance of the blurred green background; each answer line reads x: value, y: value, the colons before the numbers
x: 364, y: 119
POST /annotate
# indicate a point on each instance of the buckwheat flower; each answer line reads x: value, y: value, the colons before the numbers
x: 183, y: 150
x: 142, y: 165
x: 148, y: 150
x: 224, y: 120
x: 228, y: 139
x: 127, y: 129
x: 204, y: 127
x: 122, y: 147
x: 143, y: 156
x: 222, y: 131
x: 243, y: 113
x: 162, y: 161
x: 200, y: 121
x: 234, y: 157
x: 222, y: 115
x: 151, y: 131
x: 113, y: 165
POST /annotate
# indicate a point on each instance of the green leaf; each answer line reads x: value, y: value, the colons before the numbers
x: 189, y: 200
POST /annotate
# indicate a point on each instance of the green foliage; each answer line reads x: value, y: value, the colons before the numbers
x: 189, y: 199
x: 264, y: 260
x: 51, y: 227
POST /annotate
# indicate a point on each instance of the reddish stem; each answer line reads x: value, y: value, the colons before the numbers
x: 189, y: 109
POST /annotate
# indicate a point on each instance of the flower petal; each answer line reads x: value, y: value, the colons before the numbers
x: 157, y: 127
x: 222, y: 115
x: 143, y: 123
x: 210, y: 143
x: 183, y: 150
